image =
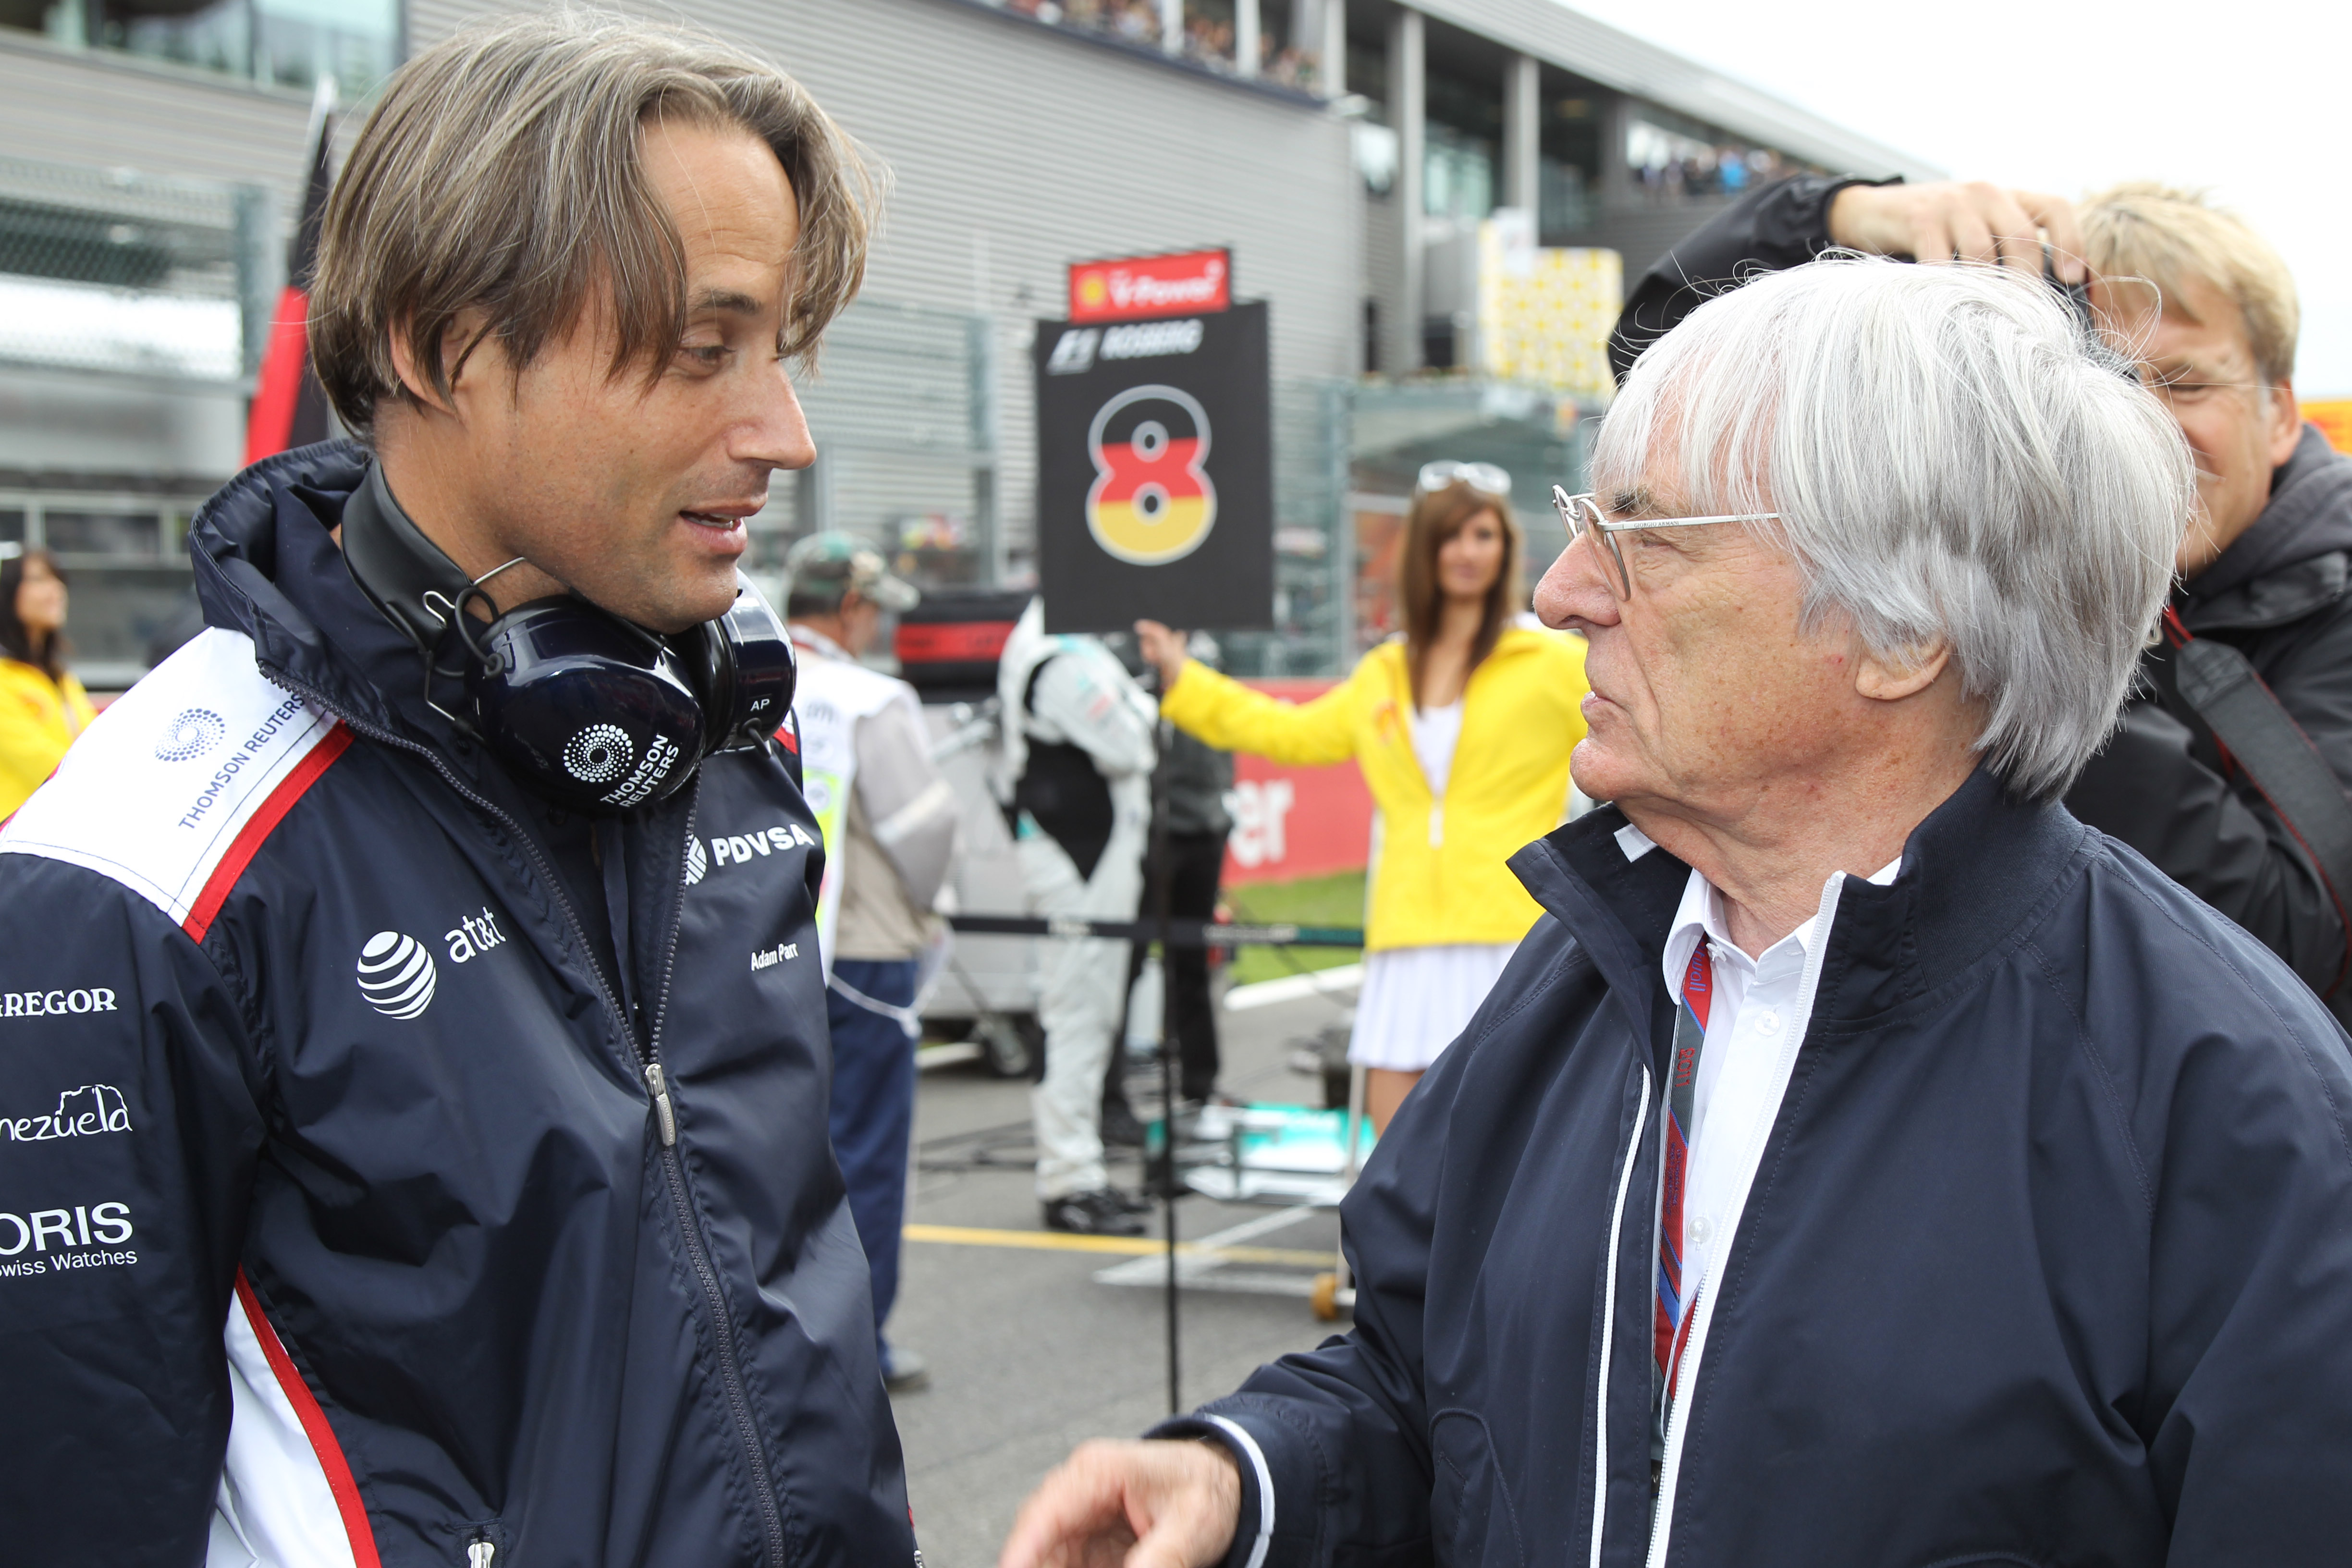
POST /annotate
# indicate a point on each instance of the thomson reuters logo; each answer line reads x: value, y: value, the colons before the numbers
x: 599, y: 753
x: 396, y: 974
x: 192, y: 734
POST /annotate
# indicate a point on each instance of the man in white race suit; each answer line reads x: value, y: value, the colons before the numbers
x: 888, y: 822
x: 1079, y: 757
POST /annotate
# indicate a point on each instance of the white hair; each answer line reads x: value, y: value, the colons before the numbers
x: 1953, y: 460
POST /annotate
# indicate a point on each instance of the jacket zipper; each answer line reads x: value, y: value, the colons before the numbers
x: 1609, y: 1317
x: 731, y: 1371
x: 722, y: 1331
x: 662, y: 1106
x: 1807, y: 985
x: 1674, y: 1424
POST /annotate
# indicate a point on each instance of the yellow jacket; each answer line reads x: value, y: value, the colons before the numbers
x: 1438, y: 872
x: 38, y: 719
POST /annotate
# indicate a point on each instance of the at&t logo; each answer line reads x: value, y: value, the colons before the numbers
x: 396, y: 974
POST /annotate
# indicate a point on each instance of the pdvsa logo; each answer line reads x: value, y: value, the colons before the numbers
x: 697, y: 861
x: 192, y: 732
x: 396, y: 974
x: 735, y: 848
x: 1152, y: 501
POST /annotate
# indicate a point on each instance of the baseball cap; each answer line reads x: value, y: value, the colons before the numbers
x: 825, y: 566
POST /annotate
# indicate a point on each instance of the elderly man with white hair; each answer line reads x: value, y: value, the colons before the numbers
x: 1865, y: 1162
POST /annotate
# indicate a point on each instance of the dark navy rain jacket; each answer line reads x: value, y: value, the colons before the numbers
x: 337, y: 1224
x: 2047, y: 1261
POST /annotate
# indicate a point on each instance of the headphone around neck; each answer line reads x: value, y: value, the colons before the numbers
x: 592, y: 711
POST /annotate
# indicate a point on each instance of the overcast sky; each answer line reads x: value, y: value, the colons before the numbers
x: 2250, y: 98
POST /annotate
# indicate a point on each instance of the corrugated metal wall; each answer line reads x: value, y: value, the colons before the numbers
x: 93, y: 108
x: 1018, y: 148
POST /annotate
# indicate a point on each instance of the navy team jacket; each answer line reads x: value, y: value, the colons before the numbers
x: 2047, y: 1262
x: 337, y: 1224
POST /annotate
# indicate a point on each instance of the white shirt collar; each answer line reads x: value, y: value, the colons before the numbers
x: 817, y: 642
x: 1700, y: 914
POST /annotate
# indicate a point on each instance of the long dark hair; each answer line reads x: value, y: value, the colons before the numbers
x: 15, y: 642
x: 1436, y: 517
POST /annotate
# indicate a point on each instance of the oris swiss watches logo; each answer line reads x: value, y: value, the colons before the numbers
x: 196, y: 732
x: 396, y: 974
x: 599, y: 753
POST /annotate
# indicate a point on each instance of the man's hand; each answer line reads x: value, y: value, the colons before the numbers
x: 1161, y: 649
x: 1130, y: 1505
x: 1956, y: 220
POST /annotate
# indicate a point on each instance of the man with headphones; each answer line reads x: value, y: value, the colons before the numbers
x: 416, y: 1074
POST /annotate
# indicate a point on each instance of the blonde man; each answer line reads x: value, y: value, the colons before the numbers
x: 2265, y: 565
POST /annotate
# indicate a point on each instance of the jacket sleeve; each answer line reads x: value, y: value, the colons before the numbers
x: 910, y: 807
x: 2248, y: 1410
x: 1785, y: 224
x: 128, y: 1127
x: 1332, y: 1443
x: 1229, y: 716
x: 1089, y: 698
x: 2149, y: 789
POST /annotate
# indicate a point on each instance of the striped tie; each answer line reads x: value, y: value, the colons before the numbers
x: 1671, y: 1333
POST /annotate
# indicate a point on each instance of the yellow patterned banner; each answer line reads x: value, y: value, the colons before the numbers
x: 1545, y: 313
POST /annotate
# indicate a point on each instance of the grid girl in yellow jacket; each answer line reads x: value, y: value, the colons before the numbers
x: 43, y: 708
x: 1463, y: 729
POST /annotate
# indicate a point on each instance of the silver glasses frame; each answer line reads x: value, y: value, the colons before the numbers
x: 1582, y: 515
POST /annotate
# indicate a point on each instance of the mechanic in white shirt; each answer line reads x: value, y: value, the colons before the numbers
x: 1079, y: 748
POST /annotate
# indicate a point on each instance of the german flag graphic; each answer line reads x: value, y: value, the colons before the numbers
x: 1152, y: 501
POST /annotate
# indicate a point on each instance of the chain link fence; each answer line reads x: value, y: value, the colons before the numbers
x: 118, y: 272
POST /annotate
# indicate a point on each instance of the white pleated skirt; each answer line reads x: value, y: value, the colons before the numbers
x: 1415, y: 1000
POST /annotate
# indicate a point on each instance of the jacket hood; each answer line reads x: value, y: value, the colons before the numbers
x: 2296, y: 557
x: 1973, y: 872
x: 267, y: 566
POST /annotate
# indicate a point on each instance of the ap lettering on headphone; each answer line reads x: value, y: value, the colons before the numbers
x: 592, y: 712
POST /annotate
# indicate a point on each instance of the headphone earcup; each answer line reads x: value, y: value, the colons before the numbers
x: 584, y: 708
x: 748, y: 671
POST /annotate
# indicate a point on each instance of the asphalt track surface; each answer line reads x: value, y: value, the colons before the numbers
x: 1029, y: 1355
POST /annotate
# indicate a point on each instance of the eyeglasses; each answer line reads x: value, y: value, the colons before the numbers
x: 2198, y: 394
x: 1582, y: 514
x: 1484, y: 478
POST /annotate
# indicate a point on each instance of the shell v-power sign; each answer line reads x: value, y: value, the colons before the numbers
x: 1155, y: 483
